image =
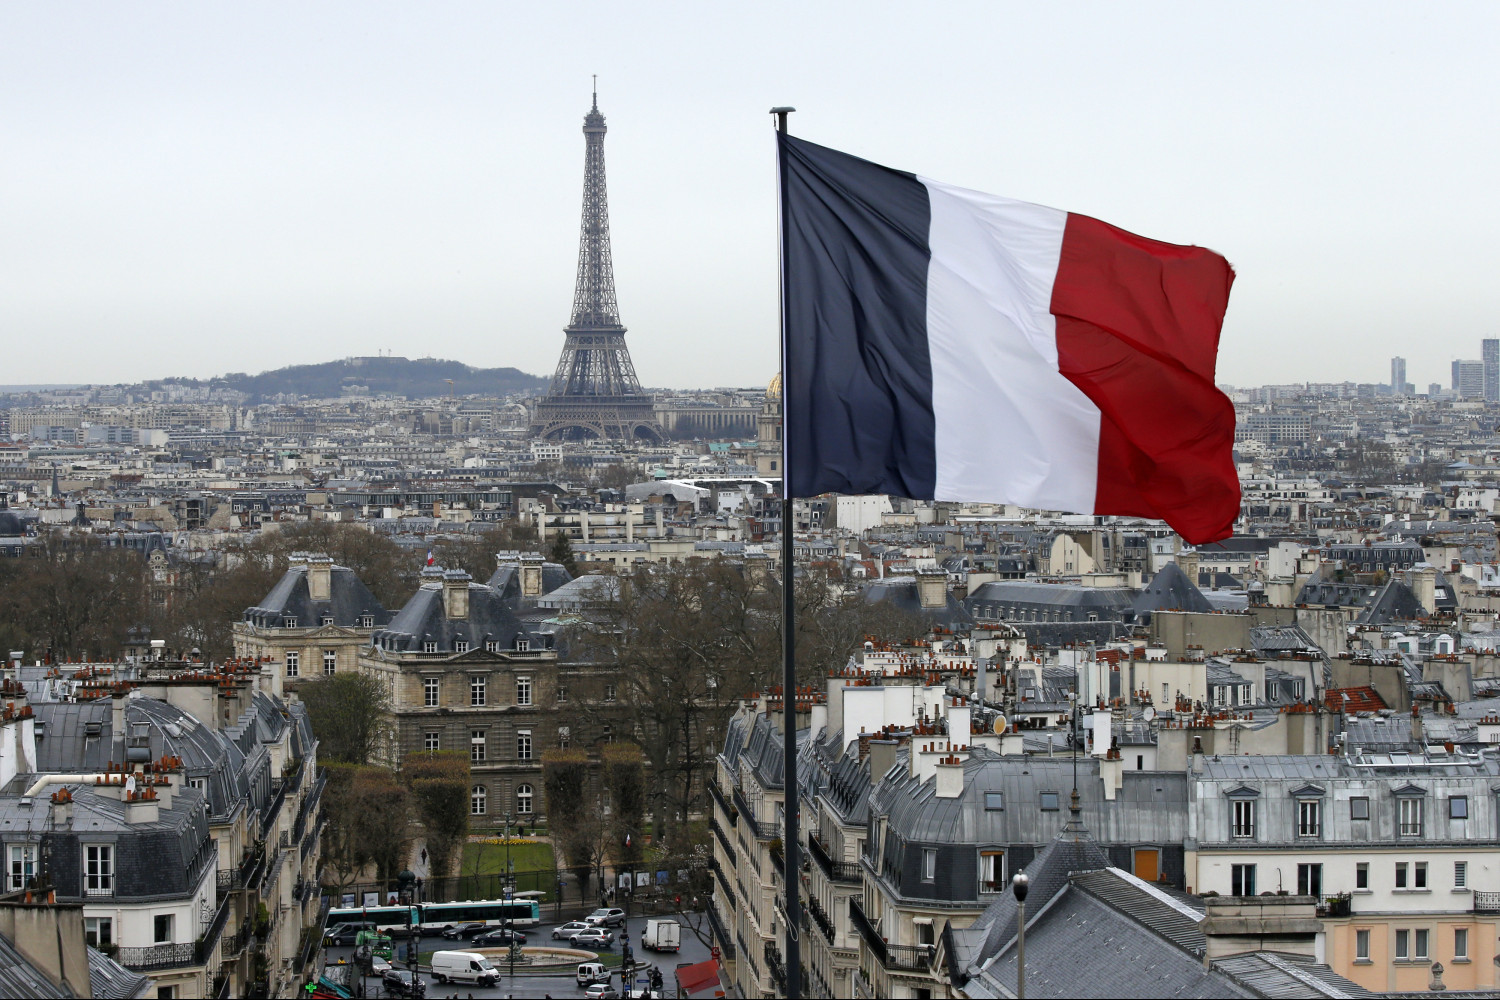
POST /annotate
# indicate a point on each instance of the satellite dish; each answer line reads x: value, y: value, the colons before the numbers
x: 999, y: 725
x: 1149, y: 714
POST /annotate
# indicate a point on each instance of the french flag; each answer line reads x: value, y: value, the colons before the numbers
x: 944, y: 344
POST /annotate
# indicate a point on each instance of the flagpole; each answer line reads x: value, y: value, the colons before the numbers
x: 791, y: 849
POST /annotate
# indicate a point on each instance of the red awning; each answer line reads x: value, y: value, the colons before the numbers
x: 698, y: 977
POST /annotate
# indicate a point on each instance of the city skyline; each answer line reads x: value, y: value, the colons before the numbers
x: 196, y: 192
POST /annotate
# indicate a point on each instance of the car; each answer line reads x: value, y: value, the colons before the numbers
x: 466, y: 929
x: 498, y: 936
x: 594, y: 937
x: 405, y: 985
x: 345, y: 934
x: 591, y: 973
x: 565, y: 931
x: 601, y: 991
x: 606, y: 916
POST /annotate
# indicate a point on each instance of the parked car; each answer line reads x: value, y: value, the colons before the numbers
x: 594, y: 937
x: 601, y: 991
x: 565, y: 931
x: 345, y: 934
x: 498, y: 936
x: 467, y: 929
x: 606, y: 916
x: 404, y: 985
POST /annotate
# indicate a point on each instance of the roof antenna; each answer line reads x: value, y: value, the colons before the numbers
x: 596, y: 91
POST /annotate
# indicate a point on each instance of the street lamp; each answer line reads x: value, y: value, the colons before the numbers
x: 1019, y: 885
x: 507, y: 895
x: 407, y: 881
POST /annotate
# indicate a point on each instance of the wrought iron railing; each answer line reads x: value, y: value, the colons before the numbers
x: 721, y: 932
x: 718, y: 796
x: 837, y: 871
x: 778, y: 857
x: 908, y: 957
x: 819, y: 916
x: 723, y: 879
x: 1487, y: 902
x: 748, y: 815
x: 776, y: 966
x: 724, y: 841
x: 867, y: 930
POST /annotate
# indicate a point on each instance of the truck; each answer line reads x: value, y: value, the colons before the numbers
x: 662, y: 935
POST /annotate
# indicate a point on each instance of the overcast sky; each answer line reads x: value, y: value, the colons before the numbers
x: 193, y: 189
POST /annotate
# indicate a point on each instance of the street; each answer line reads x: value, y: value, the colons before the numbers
x: 560, y: 983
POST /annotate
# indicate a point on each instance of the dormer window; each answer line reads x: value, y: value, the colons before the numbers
x: 328, y: 619
x: 460, y: 645
x: 366, y: 621
x: 429, y: 646
x: 523, y: 645
x: 492, y: 645
x: 289, y: 621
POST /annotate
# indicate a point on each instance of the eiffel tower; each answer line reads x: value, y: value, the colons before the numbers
x: 594, y: 391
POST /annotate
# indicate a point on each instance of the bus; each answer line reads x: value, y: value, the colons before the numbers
x: 385, y: 918
x: 517, y: 912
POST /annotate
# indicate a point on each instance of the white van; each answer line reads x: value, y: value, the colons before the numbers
x: 463, y: 967
x: 590, y: 973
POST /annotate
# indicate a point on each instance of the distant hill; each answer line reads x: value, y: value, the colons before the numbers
x: 383, y: 376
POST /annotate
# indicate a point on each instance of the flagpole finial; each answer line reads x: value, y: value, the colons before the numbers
x: 781, y: 113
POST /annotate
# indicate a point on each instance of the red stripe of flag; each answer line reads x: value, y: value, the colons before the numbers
x: 1138, y: 325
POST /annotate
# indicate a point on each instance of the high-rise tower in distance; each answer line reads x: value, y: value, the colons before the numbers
x: 1398, y: 376
x: 594, y: 391
x: 1490, y: 355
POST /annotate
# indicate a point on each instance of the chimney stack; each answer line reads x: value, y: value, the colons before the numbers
x: 319, y: 576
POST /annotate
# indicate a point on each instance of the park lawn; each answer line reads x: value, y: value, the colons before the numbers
x: 533, y: 862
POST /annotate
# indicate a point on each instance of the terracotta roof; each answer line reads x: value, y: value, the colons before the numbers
x: 1361, y: 699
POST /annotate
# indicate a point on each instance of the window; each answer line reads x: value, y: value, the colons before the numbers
x: 98, y: 931
x: 476, y: 691
x: 1049, y: 801
x: 991, y: 871
x: 22, y: 866
x: 562, y: 693
x: 98, y: 870
x: 523, y: 745
x: 429, y: 645
x: 1310, y: 880
x: 564, y: 736
x: 523, y: 645
x: 478, y: 799
x: 330, y: 662
x: 929, y: 864
x: 1242, y: 880
x: 1410, y: 812
x: 293, y: 663
x: 163, y: 928
x: 1359, y: 808
x: 430, y: 692
x: 327, y: 619
x: 607, y: 733
x: 523, y: 691
x: 476, y: 745
x: 1309, y: 818
x: 1403, y: 946
x: 1362, y: 875
x: 492, y: 645
x: 366, y: 621
x: 289, y: 622
x: 1244, y: 818
x: 1458, y: 807
x: 994, y: 801
x: 1460, y: 944
x: 1419, y: 875
x: 523, y: 800
x: 1361, y: 946
x: 1419, y: 949
x: 1460, y: 874
x: 460, y: 645
x: 1401, y: 875
x: 609, y: 692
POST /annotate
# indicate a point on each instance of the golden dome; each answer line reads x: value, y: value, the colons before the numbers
x: 773, y: 391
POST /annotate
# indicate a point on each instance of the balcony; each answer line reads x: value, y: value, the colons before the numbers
x: 776, y: 966
x: 718, y: 797
x: 748, y: 815
x: 177, y: 956
x: 819, y: 916
x: 724, y: 842
x: 898, y: 957
x: 721, y: 932
x: 723, y: 880
x: 1487, y: 902
x: 836, y: 871
x: 778, y: 857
